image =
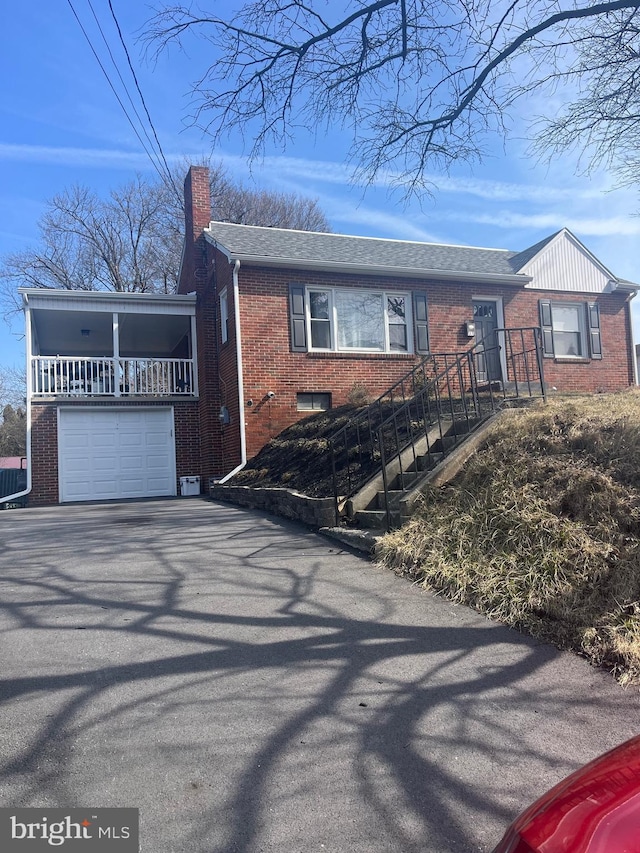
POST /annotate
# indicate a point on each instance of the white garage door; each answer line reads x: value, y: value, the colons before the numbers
x: 105, y: 454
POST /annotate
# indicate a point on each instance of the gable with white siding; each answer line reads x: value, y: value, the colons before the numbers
x: 565, y: 264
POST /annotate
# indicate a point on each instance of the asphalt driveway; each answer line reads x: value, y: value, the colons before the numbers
x: 251, y: 686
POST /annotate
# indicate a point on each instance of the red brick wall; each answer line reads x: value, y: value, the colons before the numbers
x: 44, y: 455
x: 44, y: 445
x: 194, y: 272
x: 269, y: 365
x: 613, y: 372
x: 187, y: 437
x: 207, y: 272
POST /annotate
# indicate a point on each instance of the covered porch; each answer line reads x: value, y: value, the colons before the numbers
x: 110, y: 344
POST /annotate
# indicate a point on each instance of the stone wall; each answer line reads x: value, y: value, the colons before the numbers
x: 316, y: 512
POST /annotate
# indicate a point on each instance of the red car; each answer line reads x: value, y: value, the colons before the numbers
x: 595, y: 810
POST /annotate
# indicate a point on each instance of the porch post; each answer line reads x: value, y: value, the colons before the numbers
x: 116, y: 355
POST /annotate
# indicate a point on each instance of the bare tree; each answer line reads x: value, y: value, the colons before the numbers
x: 232, y: 201
x: 272, y: 209
x: 13, y: 387
x: 132, y: 241
x: 13, y: 425
x: 128, y: 242
x: 13, y: 431
x: 421, y: 83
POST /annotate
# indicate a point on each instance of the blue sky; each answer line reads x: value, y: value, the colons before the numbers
x: 61, y: 124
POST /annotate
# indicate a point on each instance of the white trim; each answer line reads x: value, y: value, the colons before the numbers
x: 193, y: 343
x: 223, y: 301
x: 243, y: 431
x: 108, y: 301
x: 222, y: 249
x: 581, y: 307
x: 334, y: 319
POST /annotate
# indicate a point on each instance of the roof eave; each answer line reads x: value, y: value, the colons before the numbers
x: 625, y: 286
x: 53, y: 293
x: 368, y: 269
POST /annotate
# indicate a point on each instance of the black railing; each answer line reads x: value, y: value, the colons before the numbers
x: 355, y: 455
x: 444, y: 397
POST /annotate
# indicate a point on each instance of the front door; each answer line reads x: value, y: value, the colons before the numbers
x: 485, y: 317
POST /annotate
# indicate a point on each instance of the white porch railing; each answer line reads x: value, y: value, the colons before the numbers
x: 112, y: 377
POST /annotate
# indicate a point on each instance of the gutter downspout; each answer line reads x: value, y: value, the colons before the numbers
x: 634, y: 358
x: 243, y: 433
x: 10, y: 498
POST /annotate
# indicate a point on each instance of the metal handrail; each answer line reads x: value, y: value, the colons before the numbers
x: 358, y: 436
x: 452, y: 395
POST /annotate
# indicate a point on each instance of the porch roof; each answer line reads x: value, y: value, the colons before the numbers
x: 108, y: 301
x: 80, y: 323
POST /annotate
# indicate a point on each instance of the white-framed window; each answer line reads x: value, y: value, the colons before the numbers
x: 570, y: 329
x: 352, y: 320
x: 224, y: 316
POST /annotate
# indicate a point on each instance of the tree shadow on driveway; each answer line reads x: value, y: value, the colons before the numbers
x: 251, y: 687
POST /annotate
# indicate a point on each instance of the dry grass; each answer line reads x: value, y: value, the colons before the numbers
x: 541, y: 530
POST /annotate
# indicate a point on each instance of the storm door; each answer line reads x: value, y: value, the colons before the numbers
x: 485, y: 317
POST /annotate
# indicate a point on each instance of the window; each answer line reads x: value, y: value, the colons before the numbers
x: 314, y: 402
x: 224, y: 317
x: 570, y: 329
x: 319, y: 312
x: 568, y: 335
x: 357, y: 320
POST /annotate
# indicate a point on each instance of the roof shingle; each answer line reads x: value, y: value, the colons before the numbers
x: 318, y: 248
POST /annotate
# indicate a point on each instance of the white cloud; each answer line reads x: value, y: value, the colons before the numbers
x: 320, y: 172
x: 559, y: 188
x: 606, y: 226
x: 92, y: 157
x: 384, y: 224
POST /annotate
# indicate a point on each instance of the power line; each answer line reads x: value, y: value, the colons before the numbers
x: 115, y: 65
x: 144, y: 104
x: 104, y: 71
x: 165, y: 178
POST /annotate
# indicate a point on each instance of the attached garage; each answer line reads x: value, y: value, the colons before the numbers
x: 111, y: 453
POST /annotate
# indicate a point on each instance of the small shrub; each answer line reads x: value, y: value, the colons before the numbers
x: 358, y: 395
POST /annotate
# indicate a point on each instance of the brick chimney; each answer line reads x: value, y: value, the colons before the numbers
x: 197, y: 215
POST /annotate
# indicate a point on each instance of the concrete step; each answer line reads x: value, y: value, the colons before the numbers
x: 428, y: 461
x: 376, y: 519
x: 393, y: 496
x: 403, y: 481
x: 442, y: 445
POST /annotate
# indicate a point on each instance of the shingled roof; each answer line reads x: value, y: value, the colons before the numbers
x: 254, y: 244
x: 519, y: 259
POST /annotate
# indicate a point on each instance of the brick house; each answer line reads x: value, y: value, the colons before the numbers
x: 130, y: 392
